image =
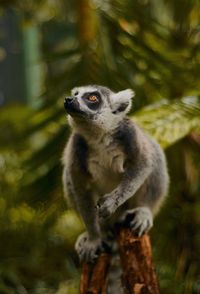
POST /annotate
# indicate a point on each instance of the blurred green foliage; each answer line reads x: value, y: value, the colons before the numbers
x: 150, y: 46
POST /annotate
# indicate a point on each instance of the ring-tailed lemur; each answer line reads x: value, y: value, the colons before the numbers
x: 113, y: 171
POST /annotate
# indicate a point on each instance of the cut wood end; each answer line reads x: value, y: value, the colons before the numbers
x: 94, y: 275
x: 140, y: 289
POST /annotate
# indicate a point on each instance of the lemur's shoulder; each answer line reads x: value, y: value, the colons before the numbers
x: 76, y: 152
x: 130, y: 136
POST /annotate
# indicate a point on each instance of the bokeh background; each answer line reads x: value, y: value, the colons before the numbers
x: 46, y: 48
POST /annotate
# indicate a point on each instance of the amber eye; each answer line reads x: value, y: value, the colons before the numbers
x: 92, y: 98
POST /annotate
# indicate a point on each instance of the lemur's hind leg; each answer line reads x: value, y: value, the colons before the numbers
x: 88, y: 250
x: 139, y: 219
x: 144, y: 204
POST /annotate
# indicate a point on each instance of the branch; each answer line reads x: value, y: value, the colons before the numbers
x: 139, y: 275
x: 94, y: 276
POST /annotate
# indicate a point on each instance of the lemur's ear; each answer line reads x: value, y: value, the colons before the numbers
x: 121, y: 101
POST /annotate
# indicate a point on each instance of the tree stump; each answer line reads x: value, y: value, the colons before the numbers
x: 94, y: 276
x: 139, y: 275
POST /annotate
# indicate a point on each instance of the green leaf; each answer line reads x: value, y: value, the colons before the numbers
x: 169, y: 122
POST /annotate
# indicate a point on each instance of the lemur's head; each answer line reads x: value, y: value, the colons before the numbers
x: 98, y: 105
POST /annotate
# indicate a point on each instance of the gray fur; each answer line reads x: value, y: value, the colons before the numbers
x: 112, y: 169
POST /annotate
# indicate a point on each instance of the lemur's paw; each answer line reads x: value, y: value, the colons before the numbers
x: 106, y: 206
x: 139, y: 219
x: 88, y: 250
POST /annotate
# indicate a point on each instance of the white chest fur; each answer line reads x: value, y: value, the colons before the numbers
x: 106, y: 165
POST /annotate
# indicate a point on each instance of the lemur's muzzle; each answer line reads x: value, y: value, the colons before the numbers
x: 68, y: 102
x: 72, y: 106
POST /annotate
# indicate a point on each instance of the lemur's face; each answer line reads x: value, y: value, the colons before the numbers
x: 98, y: 104
x: 84, y: 102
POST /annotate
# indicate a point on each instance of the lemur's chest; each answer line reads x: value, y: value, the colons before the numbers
x: 106, y: 166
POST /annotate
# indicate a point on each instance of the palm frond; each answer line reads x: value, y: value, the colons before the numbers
x: 168, y: 122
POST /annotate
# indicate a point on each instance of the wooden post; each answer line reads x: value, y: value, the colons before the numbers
x: 139, y: 275
x: 94, y: 276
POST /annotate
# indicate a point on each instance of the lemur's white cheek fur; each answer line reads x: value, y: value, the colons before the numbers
x: 107, y: 120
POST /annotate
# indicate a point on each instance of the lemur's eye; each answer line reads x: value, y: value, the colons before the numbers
x: 92, y: 98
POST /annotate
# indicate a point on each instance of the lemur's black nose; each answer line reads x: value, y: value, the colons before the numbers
x: 68, y: 102
x: 68, y: 99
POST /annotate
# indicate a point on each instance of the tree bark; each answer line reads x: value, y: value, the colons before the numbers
x: 94, y: 276
x: 139, y: 275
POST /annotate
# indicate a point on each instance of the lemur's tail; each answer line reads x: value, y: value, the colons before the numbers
x: 115, y: 274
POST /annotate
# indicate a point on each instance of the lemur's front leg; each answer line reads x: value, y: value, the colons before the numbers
x: 89, y: 244
x: 132, y: 180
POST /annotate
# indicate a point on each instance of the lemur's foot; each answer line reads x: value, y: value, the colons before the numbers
x: 88, y: 250
x: 139, y: 219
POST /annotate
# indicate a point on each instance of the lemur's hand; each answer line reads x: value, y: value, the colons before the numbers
x: 106, y: 206
x: 87, y: 249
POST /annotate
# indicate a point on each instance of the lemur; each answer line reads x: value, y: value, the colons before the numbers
x: 113, y: 171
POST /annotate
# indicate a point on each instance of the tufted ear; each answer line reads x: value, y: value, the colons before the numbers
x: 121, y: 101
